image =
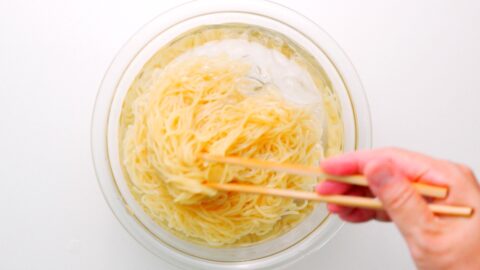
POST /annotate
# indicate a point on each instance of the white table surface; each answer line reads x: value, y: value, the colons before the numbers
x: 419, y: 62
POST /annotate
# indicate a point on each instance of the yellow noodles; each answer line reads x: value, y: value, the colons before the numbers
x: 171, y: 112
x: 207, y: 105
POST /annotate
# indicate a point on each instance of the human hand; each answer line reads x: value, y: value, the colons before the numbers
x: 435, y: 242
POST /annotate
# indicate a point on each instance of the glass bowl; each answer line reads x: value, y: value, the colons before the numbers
x: 313, y: 232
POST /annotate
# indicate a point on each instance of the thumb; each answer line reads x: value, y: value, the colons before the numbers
x: 407, y: 209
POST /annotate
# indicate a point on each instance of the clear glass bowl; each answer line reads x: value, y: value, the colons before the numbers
x: 312, y: 233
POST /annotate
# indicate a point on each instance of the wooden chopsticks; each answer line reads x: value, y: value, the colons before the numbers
x: 353, y: 201
x: 298, y: 169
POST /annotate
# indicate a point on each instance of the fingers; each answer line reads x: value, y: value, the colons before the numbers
x: 347, y: 213
x: 403, y: 204
x: 409, y: 166
x: 330, y: 187
x: 346, y: 164
x: 414, y: 166
x: 356, y: 215
x: 338, y: 209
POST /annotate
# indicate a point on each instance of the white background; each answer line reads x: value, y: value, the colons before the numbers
x: 419, y: 62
